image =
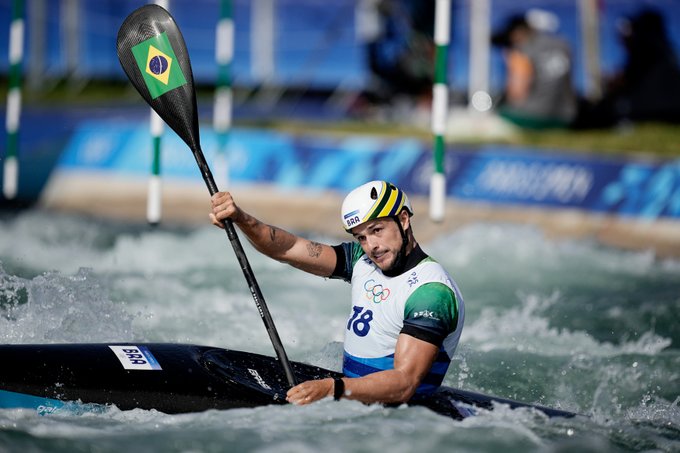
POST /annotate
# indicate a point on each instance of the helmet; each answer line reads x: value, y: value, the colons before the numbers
x: 373, y: 200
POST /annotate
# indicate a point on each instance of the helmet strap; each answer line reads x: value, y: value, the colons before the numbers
x: 400, y: 261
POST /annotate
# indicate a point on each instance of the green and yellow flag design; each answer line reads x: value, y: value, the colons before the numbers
x: 158, y: 64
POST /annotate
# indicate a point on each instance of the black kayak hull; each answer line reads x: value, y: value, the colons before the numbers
x: 176, y: 378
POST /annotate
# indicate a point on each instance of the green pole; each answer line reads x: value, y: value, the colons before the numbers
x: 16, y: 56
x: 440, y: 101
x: 222, y: 111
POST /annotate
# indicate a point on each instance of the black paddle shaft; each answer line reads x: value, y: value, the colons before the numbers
x: 154, y: 56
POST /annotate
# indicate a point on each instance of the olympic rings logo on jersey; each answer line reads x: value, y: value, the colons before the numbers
x: 376, y: 292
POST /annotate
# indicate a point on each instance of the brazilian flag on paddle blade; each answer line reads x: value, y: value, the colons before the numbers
x: 158, y: 65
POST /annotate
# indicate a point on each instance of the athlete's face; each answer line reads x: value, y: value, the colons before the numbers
x: 381, y: 239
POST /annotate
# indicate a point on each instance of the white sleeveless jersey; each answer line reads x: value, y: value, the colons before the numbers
x: 379, y: 308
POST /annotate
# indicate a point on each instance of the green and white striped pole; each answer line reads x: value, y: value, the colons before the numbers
x: 16, y: 56
x: 154, y: 200
x: 224, y: 54
x: 440, y: 102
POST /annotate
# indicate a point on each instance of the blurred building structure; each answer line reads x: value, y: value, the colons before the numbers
x: 313, y: 44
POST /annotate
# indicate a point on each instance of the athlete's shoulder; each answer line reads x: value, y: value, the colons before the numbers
x: 428, y: 269
x: 356, y: 252
x: 348, y: 254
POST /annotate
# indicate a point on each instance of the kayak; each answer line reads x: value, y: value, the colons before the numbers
x: 178, y: 378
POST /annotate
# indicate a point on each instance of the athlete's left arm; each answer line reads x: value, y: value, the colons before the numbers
x: 413, y: 359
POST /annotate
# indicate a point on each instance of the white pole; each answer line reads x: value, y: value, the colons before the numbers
x: 154, y: 200
x: 590, y: 41
x: 16, y: 55
x: 440, y: 106
x: 224, y: 54
x: 480, y: 49
x: 37, y: 40
x: 70, y: 22
x: 262, y: 40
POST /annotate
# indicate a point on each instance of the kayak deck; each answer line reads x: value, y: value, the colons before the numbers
x: 176, y: 378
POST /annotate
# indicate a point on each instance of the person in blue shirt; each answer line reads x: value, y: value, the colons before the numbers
x: 407, y: 312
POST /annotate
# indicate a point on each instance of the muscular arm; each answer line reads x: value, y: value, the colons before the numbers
x: 310, y: 256
x: 413, y: 359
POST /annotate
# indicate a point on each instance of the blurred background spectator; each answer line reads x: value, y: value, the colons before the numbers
x: 538, y: 91
x: 397, y: 36
x: 647, y: 87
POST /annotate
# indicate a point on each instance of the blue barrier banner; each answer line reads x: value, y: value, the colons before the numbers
x: 509, y: 176
x: 643, y: 190
x: 491, y: 174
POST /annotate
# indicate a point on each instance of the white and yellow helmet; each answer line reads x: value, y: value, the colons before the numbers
x: 373, y: 200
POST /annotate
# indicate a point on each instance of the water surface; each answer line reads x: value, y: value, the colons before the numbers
x: 567, y: 324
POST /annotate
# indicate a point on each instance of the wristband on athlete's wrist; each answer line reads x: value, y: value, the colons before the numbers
x: 338, y: 389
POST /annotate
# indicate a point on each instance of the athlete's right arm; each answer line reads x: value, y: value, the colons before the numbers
x: 310, y: 256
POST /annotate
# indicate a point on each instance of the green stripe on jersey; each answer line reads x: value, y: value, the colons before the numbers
x: 433, y: 304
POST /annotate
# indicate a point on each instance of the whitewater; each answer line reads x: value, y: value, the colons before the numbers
x: 568, y: 324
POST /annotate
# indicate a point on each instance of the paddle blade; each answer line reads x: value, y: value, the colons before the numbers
x: 153, y: 54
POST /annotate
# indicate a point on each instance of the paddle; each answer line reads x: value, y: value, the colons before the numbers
x: 153, y: 54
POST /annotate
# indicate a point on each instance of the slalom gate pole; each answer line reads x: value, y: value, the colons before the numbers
x: 154, y: 200
x: 16, y: 56
x: 222, y: 109
x: 440, y: 101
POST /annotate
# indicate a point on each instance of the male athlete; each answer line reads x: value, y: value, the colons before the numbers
x: 407, y: 312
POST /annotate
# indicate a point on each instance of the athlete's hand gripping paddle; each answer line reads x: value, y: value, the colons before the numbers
x: 153, y: 54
